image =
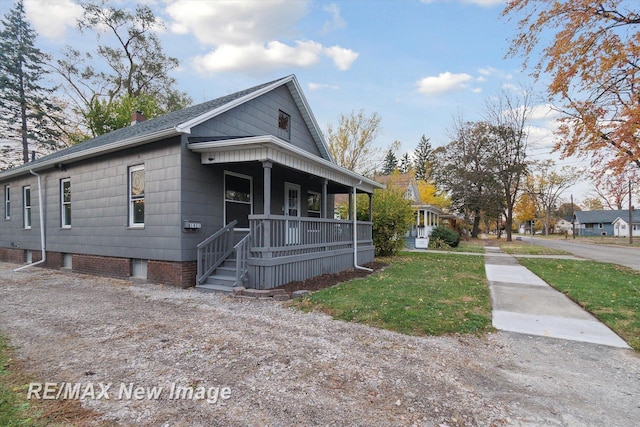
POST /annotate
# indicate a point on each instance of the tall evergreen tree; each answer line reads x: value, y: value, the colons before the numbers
x: 390, y: 163
x: 405, y: 163
x: 26, y: 112
x: 424, y: 159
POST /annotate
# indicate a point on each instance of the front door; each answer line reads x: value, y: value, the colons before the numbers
x: 291, y: 211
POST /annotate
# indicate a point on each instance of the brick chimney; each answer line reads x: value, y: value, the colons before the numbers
x: 137, y: 117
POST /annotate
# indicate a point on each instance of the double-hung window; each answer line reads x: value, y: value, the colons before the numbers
x: 7, y: 202
x: 26, y: 206
x: 65, y: 203
x: 136, y: 196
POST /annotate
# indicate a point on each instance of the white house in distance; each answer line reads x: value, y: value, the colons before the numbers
x: 621, y: 224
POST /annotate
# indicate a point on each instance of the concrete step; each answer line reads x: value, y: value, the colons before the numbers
x: 207, y: 287
x: 219, y: 279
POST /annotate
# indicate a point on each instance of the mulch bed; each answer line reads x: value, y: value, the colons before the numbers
x: 328, y: 280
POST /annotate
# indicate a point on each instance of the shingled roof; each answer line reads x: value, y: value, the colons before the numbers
x: 600, y: 216
x: 170, y: 124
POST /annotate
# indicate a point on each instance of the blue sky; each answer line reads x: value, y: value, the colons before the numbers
x: 418, y: 64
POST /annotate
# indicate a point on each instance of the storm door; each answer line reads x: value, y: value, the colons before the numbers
x: 291, y: 211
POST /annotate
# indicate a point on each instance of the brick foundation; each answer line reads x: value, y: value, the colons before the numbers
x: 101, y: 266
x: 14, y: 256
x: 182, y: 274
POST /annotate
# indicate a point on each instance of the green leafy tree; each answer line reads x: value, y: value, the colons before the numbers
x: 26, y: 112
x: 128, y: 62
x: 392, y: 218
x: 465, y: 171
x: 104, y: 116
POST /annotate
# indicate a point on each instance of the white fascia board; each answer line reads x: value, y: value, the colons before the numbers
x: 186, y: 126
x: 92, y: 152
x: 275, y: 143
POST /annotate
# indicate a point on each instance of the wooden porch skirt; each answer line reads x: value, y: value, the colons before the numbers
x: 286, y: 249
x: 273, y: 272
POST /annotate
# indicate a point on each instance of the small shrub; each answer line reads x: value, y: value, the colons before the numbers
x: 444, y: 236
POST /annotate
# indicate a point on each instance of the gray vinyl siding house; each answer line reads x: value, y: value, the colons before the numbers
x: 597, y: 222
x: 234, y: 191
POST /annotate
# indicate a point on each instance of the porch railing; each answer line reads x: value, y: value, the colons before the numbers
x: 278, y: 235
x: 242, y: 258
x: 214, y: 250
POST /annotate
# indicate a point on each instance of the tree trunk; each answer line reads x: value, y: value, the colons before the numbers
x: 476, y: 224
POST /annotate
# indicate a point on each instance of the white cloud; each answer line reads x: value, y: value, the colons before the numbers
x: 320, y: 86
x: 52, y: 18
x: 258, y: 57
x: 336, y: 20
x: 342, y: 58
x: 235, y: 22
x: 249, y: 35
x: 444, y: 82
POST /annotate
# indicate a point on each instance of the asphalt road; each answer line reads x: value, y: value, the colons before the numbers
x: 626, y: 256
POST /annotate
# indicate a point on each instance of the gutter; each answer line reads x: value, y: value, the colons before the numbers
x: 42, y: 238
x: 92, y: 152
x: 355, y: 233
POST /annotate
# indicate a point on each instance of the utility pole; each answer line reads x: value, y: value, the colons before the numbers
x: 573, y: 219
x: 630, y: 216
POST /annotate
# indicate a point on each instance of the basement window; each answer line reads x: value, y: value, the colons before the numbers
x: 139, y: 268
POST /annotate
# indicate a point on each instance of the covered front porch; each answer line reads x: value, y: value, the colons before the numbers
x: 290, y: 234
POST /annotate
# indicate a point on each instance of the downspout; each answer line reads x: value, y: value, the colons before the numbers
x: 42, y: 241
x: 355, y: 233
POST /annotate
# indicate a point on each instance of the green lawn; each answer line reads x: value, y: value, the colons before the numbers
x: 523, y: 247
x: 418, y: 294
x: 610, y: 292
x: 474, y: 245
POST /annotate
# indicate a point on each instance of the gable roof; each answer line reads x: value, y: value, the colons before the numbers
x: 635, y: 217
x: 173, y: 124
x: 600, y: 216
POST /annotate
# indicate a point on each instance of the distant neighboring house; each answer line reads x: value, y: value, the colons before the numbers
x: 427, y: 216
x: 234, y: 191
x: 562, y: 225
x: 597, y: 222
x: 621, y: 224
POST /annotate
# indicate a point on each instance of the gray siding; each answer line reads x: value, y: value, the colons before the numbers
x: 260, y: 117
x: 99, y: 207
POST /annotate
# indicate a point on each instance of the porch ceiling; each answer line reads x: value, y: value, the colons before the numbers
x: 276, y: 150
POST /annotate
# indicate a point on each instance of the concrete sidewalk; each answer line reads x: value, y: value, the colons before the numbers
x: 522, y: 302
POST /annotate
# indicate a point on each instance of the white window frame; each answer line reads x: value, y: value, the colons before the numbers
x: 26, y: 208
x: 133, y: 199
x: 64, y: 221
x: 7, y: 202
x: 224, y: 195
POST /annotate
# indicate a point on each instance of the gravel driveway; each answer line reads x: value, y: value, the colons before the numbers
x: 275, y: 366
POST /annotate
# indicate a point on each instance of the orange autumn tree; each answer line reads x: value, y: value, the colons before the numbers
x: 593, y: 60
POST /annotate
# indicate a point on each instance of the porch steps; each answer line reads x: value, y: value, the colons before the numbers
x: 222, y: 280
